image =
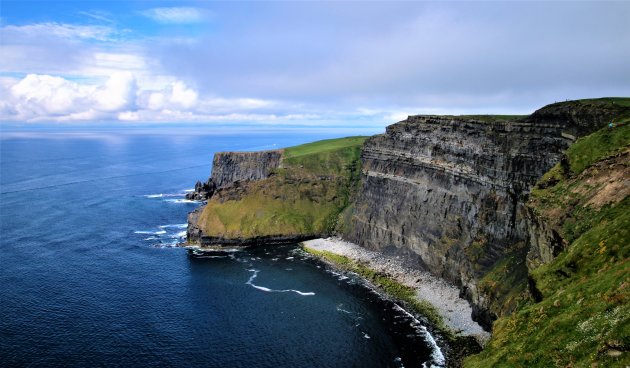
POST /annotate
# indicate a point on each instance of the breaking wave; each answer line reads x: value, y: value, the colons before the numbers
x: 262, y: 288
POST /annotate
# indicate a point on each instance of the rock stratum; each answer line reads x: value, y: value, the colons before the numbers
x: 492, y: 204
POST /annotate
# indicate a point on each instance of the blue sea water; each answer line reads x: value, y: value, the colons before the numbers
x: 90, y: 276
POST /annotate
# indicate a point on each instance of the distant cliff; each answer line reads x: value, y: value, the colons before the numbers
x: 230, y: 167
x: 279, y: 196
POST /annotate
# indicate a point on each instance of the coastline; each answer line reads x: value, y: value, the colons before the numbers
x: 443, y: 298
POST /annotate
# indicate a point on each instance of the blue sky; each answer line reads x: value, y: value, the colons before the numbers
x: 303, y: 63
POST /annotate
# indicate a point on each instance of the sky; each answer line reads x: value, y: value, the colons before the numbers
x: 303, y: 63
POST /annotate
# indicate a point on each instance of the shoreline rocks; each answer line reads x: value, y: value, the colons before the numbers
x: 455, y: 310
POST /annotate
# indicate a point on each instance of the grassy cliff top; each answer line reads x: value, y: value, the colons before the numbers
x: 319, y: 147
x: 327, y: 157
x: 603, y: 101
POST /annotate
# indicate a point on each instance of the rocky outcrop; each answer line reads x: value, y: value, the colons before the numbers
x: 545, y: 243
x: 202, y: 191
x: 578, y: 118
x: 230, y: 167
x: 450, y: 190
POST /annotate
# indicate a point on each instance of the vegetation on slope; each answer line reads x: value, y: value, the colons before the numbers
x: 303, y: 197
x: 583, y: 319
x: 599, y: 145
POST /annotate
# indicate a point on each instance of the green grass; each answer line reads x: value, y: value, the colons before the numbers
x: 392, y: 288
x: 327, y: 157
x: 619, y: 101
x: 304, y: 197
x: 599, y: 145
x: 322, y: 146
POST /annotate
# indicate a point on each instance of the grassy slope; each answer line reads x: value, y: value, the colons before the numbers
x: 584, y: 317
x: 304, y: 197
x: 599, y: 145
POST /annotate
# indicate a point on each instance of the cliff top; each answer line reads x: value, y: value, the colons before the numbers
x: 323, y: 145
x: 576, y: 118
x: 485, y: 118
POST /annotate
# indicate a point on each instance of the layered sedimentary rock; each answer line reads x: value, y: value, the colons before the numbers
x: 448, y: 191
x: 230, y: 167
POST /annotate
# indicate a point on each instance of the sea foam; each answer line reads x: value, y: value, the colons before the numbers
x: 262, y: 288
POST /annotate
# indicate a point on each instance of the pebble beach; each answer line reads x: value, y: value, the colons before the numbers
x: 455, y: 311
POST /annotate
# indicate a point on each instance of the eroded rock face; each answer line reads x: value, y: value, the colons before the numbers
x: 450, y: 190
x: 229, y: 167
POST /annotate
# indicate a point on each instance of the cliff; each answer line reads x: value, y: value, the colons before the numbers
x: 578, y: 218
x: 280, y: 196
x: 446, y: 191
x: 230, y: 167
x: 458, y: 196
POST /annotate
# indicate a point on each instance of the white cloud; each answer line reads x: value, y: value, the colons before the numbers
x: 217, y: 104
x: 176, y: 95
x: 182, y: 95
x: 40, y: 97
x: 61, y: 30
x: 45, y: 95
x: 175, y: 15
x: 118, y: 93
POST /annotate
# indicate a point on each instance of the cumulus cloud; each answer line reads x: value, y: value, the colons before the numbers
x: 175, y: 95
x: 175, y: 15
x: 118, y: 93
x: 38, y: 97
x: 44, y: 96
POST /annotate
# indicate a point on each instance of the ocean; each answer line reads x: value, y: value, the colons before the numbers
x: 91, y: 275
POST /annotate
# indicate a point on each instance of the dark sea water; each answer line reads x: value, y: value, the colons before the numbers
x: 89, y: 275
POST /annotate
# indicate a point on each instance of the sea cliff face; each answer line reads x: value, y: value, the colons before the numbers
x: 449, y: 192
x: 230, y: 167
